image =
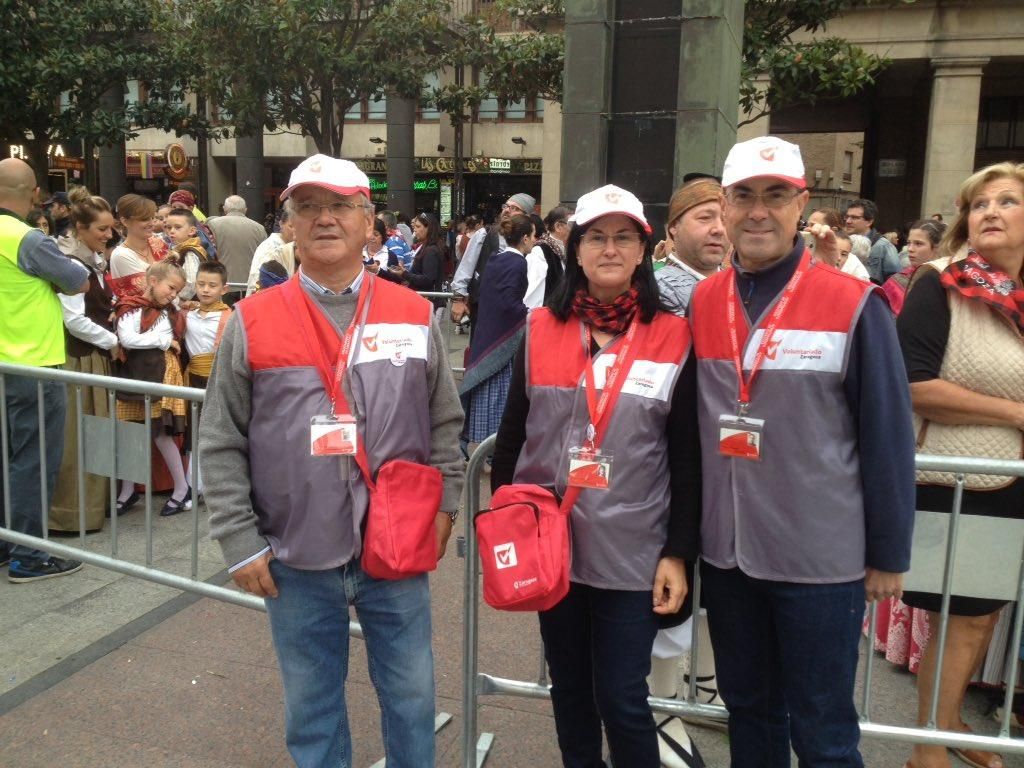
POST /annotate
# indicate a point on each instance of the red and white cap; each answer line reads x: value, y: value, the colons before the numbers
x: 340, y: 176
x: 764, y: 157
x: 607, y: 200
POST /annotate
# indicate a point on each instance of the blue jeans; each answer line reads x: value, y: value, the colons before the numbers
x: 309, y: 624
x: 22, y: 402
x: 786, y: 658
x: 597, y: 643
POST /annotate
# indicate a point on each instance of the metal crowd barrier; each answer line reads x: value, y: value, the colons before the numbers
x: 476, y: 684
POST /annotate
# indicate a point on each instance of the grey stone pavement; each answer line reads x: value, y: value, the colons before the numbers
x: 99, y: 670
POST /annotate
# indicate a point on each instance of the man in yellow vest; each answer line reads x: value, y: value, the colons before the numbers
x: 32, y: 272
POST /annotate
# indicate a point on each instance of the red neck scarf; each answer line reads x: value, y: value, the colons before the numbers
x: 976, y: 279
x: 151, y: 313
x: 611, y: 318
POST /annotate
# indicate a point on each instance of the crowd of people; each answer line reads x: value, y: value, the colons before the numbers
x: 748, y: 389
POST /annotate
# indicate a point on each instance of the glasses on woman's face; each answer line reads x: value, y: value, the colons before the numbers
x: 622, y: 240
x: 512, y: 207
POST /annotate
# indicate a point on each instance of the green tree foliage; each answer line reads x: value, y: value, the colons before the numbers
x: 61, y: 56
x: 302, y: 64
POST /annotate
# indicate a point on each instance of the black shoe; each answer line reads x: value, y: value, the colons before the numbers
x: 124, y: 507
x: 22, y: 573
x: 174, y: 506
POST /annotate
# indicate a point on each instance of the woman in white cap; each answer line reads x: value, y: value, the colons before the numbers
x: 602, y: 408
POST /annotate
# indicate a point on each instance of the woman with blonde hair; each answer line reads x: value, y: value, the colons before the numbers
x: 962, y: 334
x: 91, y: 344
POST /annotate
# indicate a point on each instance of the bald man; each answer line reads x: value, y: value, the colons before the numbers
x: 237, y: 237
x: 32, y: 272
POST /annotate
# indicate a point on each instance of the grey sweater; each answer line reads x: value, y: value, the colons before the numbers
x: 224, y: 430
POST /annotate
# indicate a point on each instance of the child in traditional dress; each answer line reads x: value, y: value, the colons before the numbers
x: 203, y: 330
x: 150, y: 331
x: 182, y: 228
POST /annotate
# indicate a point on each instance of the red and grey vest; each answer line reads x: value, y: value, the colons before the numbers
x: 617, y: 534
x: 311, y: 508
x: 797, y: 514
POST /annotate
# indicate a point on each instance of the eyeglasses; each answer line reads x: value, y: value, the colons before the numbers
x: 622, y: 240
x: 853, y: 216
x: 312, y: 211
x: 512, y: 207
x: 773, y: 198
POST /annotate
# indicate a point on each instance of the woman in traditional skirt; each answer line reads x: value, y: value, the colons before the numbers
x: 91, y: 343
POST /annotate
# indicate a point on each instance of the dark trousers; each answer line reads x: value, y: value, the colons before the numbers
x: 22, y: 403
x: 597, y: 643
x: 786, y: 658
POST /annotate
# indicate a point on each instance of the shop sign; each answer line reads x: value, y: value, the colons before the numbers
x: 419, y: 185
x: 446, y: 165
x: 446, y: 202
x: 177, y: 161
x: 18, y: 150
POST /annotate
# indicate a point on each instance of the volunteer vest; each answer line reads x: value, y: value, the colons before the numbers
x: 798, y: 513
x: 986, y: 355
x: 311, y: 508
x: 31, y: 322
x: 618, y: 533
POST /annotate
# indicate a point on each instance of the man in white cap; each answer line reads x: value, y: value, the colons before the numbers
x: 466, y: 282
x: 808, y: 469
x: 319, y: 382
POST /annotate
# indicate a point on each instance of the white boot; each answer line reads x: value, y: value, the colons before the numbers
x: 674, y: 744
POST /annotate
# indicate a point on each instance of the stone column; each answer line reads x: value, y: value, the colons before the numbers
x: 710, y: 52
x: 587, y: 98
x: 248, y: 175
x: 113, y: 175
x: 401, y: 114
x: 952, y: 132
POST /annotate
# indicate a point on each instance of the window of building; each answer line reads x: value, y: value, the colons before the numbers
x: 847, y: 166
x: 377, y: 108
x: 529, y: 109
x: 426, y: 108
x: 1002, y: 123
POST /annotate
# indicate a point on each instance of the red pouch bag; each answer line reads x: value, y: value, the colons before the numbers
x: 524, y: 548
x: 404, y: 501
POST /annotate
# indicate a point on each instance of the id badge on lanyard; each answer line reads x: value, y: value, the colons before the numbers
x: 589, y: 465
x: 739, y: 435
x: 334, y: 433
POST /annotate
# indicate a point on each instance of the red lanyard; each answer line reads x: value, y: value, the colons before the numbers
x: 774, y: 319
x: 614, y: 380
x: 301, y: 308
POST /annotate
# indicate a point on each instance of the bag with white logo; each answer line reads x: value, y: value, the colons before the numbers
x: 524, y: 547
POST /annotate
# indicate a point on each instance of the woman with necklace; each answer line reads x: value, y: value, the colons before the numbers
x: 140, y: 248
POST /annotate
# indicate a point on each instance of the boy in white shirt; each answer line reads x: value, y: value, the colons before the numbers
x: 183, y: 230
x: 203, y: 330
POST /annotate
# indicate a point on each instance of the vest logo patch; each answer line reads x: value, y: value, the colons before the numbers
x: 395, y: 342
x: 505, y: 555
x: 646, y: 377
x: 792, y: 350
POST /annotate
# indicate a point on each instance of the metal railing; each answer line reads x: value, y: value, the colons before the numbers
x: 946, y: 579
x: 476, y: 746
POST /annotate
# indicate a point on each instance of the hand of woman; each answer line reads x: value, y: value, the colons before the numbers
x: 670, y: 586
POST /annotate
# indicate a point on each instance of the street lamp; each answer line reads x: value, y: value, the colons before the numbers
x: 519, y: 140
x: 377, y: 140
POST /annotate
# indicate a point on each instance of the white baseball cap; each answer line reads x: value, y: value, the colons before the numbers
x: 606, y: 200
x: 340, y: 176
x: 764, y: 157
